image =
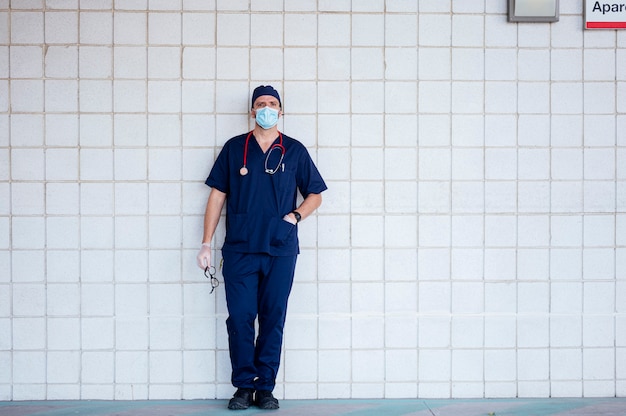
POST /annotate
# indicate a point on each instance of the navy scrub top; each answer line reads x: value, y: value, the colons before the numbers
x: 257, y: 202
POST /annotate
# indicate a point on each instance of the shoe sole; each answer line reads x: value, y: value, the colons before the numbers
x: 238, y: 406
x: 268, y: 406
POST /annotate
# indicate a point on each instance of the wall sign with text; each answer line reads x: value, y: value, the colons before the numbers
x: 605, y: 14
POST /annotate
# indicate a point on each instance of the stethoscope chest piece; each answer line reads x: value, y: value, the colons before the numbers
x: 243, y: 171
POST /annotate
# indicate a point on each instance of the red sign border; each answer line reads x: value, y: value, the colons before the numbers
x: 605, y: 25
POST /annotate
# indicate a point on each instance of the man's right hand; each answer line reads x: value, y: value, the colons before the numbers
x: 204, y: 256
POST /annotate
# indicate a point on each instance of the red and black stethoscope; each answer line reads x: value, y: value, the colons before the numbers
x: 244, y: 170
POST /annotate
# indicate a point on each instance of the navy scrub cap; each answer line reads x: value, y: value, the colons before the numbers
x: 265, y: 90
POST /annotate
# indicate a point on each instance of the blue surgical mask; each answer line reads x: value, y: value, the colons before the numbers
x: 266, y: 117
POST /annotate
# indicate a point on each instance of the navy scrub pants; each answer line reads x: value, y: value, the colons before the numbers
x: 257, y: 285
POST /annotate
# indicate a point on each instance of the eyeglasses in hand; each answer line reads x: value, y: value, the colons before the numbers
x: 209, y: 273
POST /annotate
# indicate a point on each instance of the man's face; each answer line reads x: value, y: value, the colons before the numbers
x: 266, y: 101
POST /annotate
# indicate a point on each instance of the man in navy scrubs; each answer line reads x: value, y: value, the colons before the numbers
x: 258, y: 175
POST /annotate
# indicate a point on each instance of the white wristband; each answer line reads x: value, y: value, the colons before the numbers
x: 207, y: 244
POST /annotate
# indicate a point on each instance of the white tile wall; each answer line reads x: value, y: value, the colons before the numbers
x: 470, y: 243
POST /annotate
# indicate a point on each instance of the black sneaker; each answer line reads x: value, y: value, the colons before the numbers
x: 242, y: 399
x: 265, y: 400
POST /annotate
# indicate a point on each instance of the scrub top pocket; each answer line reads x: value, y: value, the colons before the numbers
x: 283, y: 232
